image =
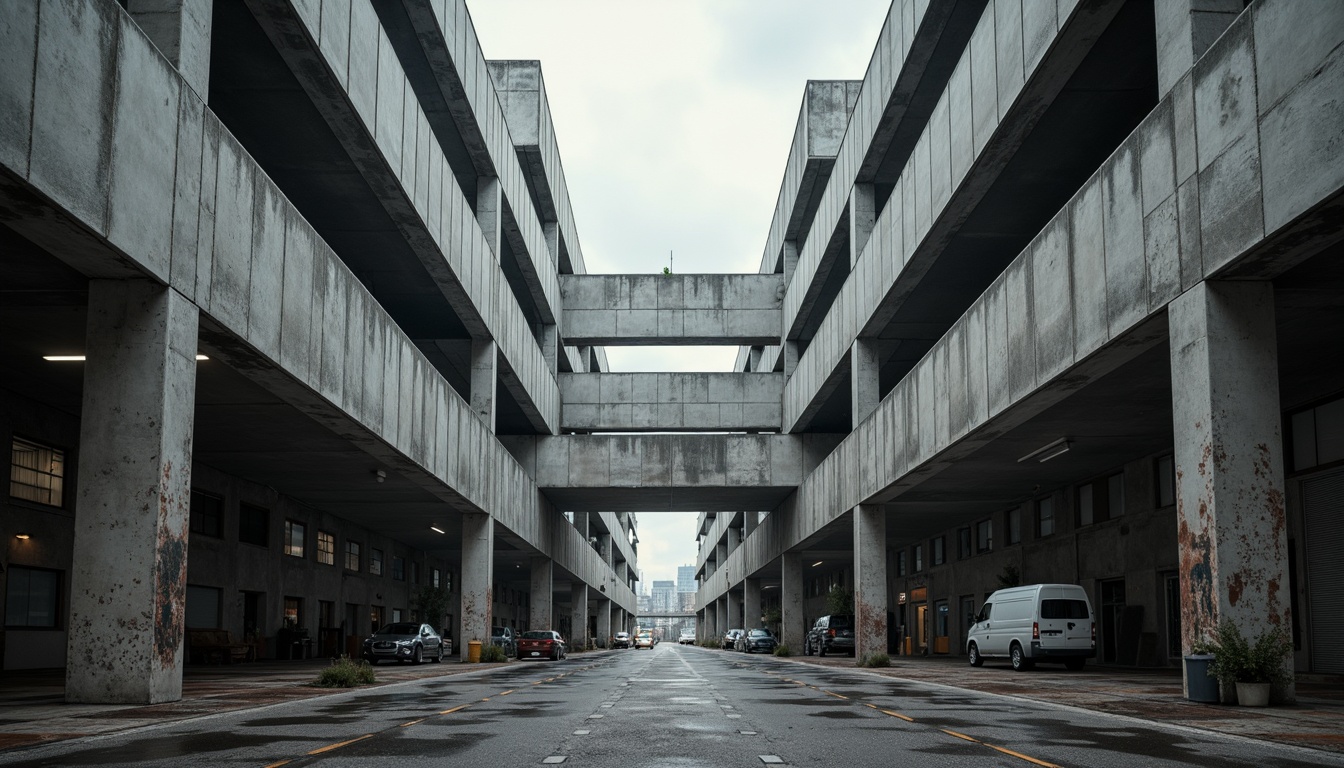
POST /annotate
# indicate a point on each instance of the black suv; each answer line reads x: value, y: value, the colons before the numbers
x: 830, y: 633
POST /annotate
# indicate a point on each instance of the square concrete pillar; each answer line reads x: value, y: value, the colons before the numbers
x: 540, y: 602
x: 1185, y: 30
x: 578, y: 616
x: 484, y: 380
x: 862, y: 217
x: 604, y: 623
x: 129, y: 577
x: 581, y: 524
x: 490, y: 212
x: 548, y: 338
x: 478, y: 568
x: 751, y: 603
x: 733, y: 605
x: 864, y: 366
x: 789, y: 256
x: 1232, y: 525
x: 721, y: 617
x: 551, y: 231
x: 180, y: 29
x: 788, y: 354
x: 792, y: 623
x: 749, y: 522
x: 870, y: 580
x: 733, y: 540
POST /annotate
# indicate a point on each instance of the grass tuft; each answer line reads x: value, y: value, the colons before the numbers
x: 346, y: 673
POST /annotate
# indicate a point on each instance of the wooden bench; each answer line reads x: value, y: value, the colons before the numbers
x: 215, y: 646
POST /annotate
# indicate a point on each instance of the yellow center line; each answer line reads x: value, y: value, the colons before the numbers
x: 506, y: 693
x: 330, y: 747
x: 1021, y: 756
x: 870, y: 706
x: 487, y: 698
x: 277, y: 765
x: 458, y: 708
x: 960, y: 736
x: 836, y: 695
x: 413, y: 722
x: 906, y: 718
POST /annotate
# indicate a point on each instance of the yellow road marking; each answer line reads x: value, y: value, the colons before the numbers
x: 836, y: 695
x: 458, y: 708
x: 277, y: 765
x: 960, y: 735
x: 487, y: 698
x: 330, y: 747
x: 906, y: 718
x: 506, y: 693
x: 413, y: 722
x: 1021, y: 756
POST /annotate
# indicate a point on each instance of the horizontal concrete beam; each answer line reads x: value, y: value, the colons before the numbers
x: 671, y: 309
x: 675, y: 402
x: 669, y: 472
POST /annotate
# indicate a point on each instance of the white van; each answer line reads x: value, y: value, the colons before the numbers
x: 1041, y: 622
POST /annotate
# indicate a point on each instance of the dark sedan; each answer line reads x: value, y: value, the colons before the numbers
x: 754, y: 640
x: 404, y: 641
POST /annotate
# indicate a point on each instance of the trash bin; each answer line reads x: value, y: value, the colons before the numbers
x: 474, y: 651
x: 1199, y: 684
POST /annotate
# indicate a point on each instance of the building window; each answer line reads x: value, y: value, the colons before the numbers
x: 1165, y: 469
x: 376, y: 562
x: 919, y: 557
x: 326, y: 548
x: 434, y: 575
x: 984, y: 536
x: 254, y: 525
x: 939, y: 549
x: 351, y: 555
x: 1045, y: 518
x: 37, y: 473
x: 206, y: 511
x: 1014, y: 526
x: 295, y: 533
x: 398, y: 569
x: 32, y: 598
x: 293, y: 612
x: 1102, y: 499
x: 963, y: 543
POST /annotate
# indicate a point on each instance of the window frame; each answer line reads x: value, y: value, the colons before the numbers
x: 1047, y: 506
x: 398, y: 568
x: 55, y: 477
x: 198, y: 516
x: 984, y: 536
x: 56, y: 607
x: 1012, y: 526
x: 375, y: 561
x: 358, y: 555
x: 937, y: 550
x: 326, y: 556
x: 291, y: 528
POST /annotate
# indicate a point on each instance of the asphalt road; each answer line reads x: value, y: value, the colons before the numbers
x: 676, y: 706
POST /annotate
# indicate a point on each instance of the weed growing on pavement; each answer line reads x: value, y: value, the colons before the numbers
x: 493, y: 654
x: 346, y: 673
x: 783, y: 650
x: 875, y: 660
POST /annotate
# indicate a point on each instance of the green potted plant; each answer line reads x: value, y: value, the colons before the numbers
x: 1252, y: 667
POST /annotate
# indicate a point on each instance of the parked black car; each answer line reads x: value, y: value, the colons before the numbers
x: 756, y: 640
x: 404, y: 641
x: 830, y: 633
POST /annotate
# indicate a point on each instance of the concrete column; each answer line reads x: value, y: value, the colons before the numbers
x: 751, y: 603
x: 578, y: 617
x: 1185, y: 29
x: 754, y: 358
x: 484, y: 380
x: 478, y: 567
x: 490, y: 212
x: 721, y: 617
x: 789, y: 355
x: 180, y: 29
x: 721, y: 552
x: 733, y: 540
x: 791, y: 601
x: 585, y: 359
x: 129, y: 575
x: 790, y: 259
x: 551, y: 231
x: 864, y: 367
x: 750, y: 521
x: 605, y: 549
x: 1231, y: 526
x: 581, y: 524
x: 734, y: 607
x: 862, y: 217
x: 548, y: 338
x: 604, y: 624
x: 540, y: 608
x: 870, y: 580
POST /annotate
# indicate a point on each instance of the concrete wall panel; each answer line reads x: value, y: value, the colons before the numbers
x: 186, y: 191
x: 230, y: 283
x: 1052, y: 299
x: 1126, y: 281
x: 267, y: 267
x: 18, y: 57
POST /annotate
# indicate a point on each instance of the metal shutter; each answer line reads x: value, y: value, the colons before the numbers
x: 1323, y: 514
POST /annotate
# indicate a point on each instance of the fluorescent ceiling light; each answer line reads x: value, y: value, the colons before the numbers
x: 82, y: 358
x: 436, y: 529
x: 1048, y: 451
x: 819, y: 562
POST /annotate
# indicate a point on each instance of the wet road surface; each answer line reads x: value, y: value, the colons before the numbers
x: 676, y: 706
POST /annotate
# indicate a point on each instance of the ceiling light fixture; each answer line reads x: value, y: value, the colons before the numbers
x: 82, y: 358
x: 1048, y: 451
x: 437, y: 529
x: 22, y: 536
x: 819, y: 562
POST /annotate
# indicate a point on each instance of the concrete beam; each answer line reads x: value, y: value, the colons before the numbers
x: 676, y: 402
x: 180, y: 30
x: 671, y: 309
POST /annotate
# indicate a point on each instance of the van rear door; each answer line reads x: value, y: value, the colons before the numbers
x: 1065, y: 622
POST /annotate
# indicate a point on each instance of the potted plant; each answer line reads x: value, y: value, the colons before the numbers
x: 1252, y: 667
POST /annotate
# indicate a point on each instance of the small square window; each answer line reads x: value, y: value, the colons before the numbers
x: 206, y: 514
x: 295, y: 535
x: 326, y: 548
x: 37, y: 473
x: 351, y: 555
x: 376, y: 561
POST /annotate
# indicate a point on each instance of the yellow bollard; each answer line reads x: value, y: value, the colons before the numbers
x: 474, y: 651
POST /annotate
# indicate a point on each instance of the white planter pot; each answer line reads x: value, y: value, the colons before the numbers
x: 1253, y: 694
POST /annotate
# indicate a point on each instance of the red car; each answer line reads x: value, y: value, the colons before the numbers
x: 541, y: 644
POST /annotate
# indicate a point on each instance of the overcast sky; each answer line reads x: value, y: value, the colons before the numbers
x: 674, y: 121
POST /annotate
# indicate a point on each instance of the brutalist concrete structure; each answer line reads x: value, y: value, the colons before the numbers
x: 1052, y: 294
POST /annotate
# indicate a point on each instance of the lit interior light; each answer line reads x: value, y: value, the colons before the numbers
x: 22, y: 536
x: 819, y: 562
x: 436, y: 529
x: 82, y: 358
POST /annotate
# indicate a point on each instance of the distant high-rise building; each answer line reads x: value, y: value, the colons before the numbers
x: 664, y: 597
x: 685, y: 578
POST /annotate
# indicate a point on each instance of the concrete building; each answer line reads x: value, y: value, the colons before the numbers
x: 685, y: 578
x: 1040, y: 294
x: 664, y: 597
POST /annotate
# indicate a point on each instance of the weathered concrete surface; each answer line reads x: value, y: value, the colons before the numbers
x: 540, y: 601
x: 180, y: 30
x: 578, y: 614
x: 676, y: 402
x: 671, y: 309
x: 791, y: 601
x: 129, y: 578
x: 476, y: 582
x: 870, y: 580
x: 1233, y: 533
x: 1185, y: 30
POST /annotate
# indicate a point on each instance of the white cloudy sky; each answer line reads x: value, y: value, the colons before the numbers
x: 674, y: 120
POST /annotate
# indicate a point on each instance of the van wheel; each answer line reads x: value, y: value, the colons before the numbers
x: 1020, y: 661
x: 821, y: 649
x: 973, y: 656
x: 1075, y: 665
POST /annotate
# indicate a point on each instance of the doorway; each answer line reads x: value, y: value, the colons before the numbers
x: 1110, y: 616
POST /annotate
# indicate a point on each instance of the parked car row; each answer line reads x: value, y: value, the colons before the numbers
x: 749, y: 640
